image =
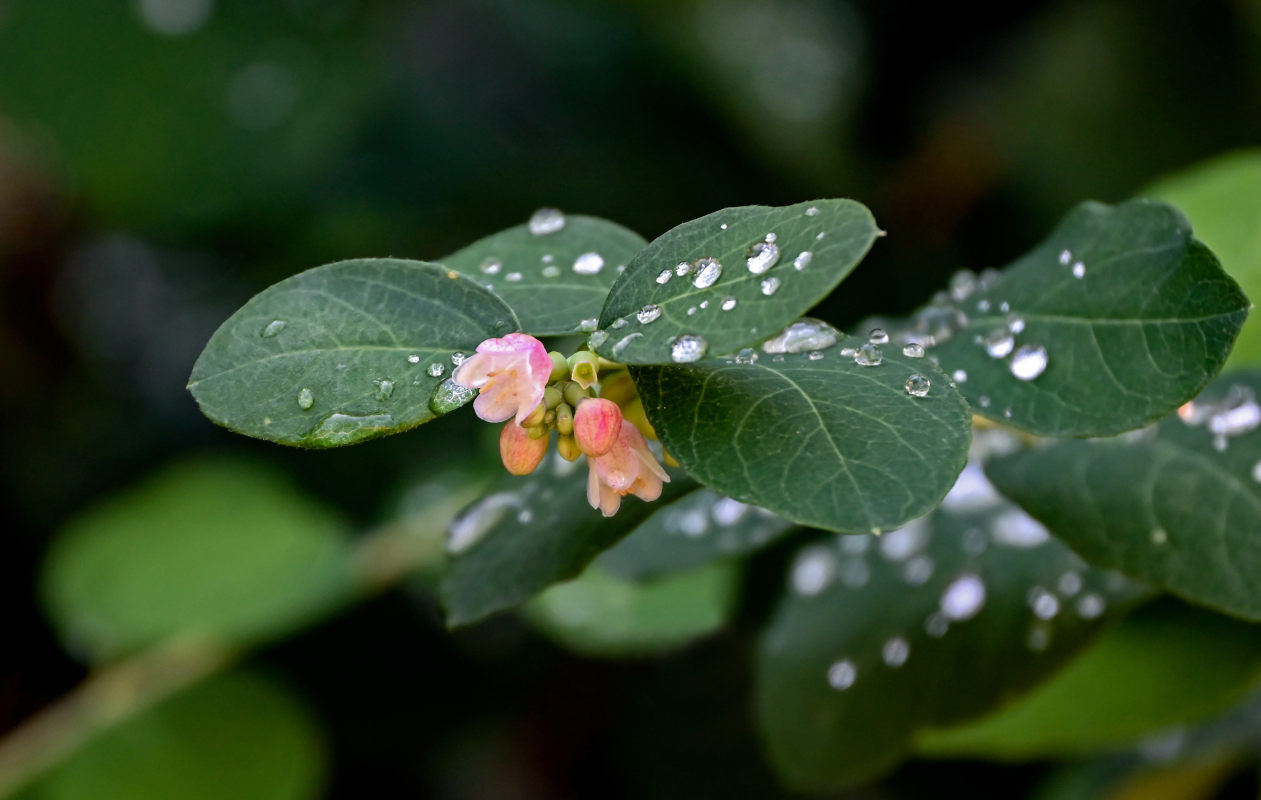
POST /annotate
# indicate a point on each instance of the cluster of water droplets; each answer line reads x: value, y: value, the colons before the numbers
x: 1234, y: 414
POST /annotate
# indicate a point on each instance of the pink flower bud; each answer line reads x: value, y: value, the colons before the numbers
x: 519, y: 451
x: 597, y: 425
x: 511, y: 374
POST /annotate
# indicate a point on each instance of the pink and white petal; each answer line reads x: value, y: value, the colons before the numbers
x: 619, y: 467
x: 497, y: 401
x: 593, y: 485
x: 647, y: 487
x: 610, y: 501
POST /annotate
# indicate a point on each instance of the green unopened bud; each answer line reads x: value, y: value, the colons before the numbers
x: 568, y: 448
x: 565, y: 418
x: 537, y: 431
x: 560, y: 367
x: 575, y: 394
x: 549, y: 418
x: 535, y: 418
x: 584, y: 368
x: 552, y: 397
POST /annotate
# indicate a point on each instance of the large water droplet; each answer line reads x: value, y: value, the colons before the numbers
x: 306, y: 399
x: 274, y: 327
x: 770, y: 286
x: 648, y: 313
x: 802, y: 260
x: 688, y: 348
x: 918, y: 385
x: 895, y: 652
x: 589, y: 264
x: 385, y: 388
x: 804, y: 334
x: 435, y: 370
x: 878, y: 336
x: 913, y: 350
x: 491, y: 266
x: 763, y: 255
x: 963, y: 598
x: 708, y: 271
x: 959, y: 376
x: 1028, y: 362
x: 999, y: 343
x: 841, y: 674
x: 664, y: 276
x: 448, y: 396
x: 869, y: 355
x: 340, y: 429
x: 545, y: 221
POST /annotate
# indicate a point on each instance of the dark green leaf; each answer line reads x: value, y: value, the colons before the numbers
x: 552, y: 280
x: 532, y: 532
x: 597, y: 614
x: 1166, y: 506
x: 697, y: 529
x: 1146, y: 326
x: 213, y: 547
x: 1167, y: 664
x: 343, y: 353
x: 862, y: 651
x: 235, y: 735
x: 817, y: 440
x: 740, y: 308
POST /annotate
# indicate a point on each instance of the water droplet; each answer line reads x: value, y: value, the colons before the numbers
x: 849, y: 352
x: 340, y: 429
x: 918, y: 570
x: 1017, y: 529
x: 983, y: 305
x: 274, y: 327
x: 545, y: 221
x: 936, y: 625
x: 1069, y: 584
x: 895, y: 652
x: 648, y: 313
x: 448, y: 396
x: 589, y: 264
x: 963, y: 598
x: 1079, y: 270
x: 1038, y: 638
x: 1256, y: 472
x: 770, y: 286
x: 869, y: 355
x: 435, y: 370
x: 551, y: 271
x: 620, y: 322
x: 959, y: 376
x: 491, y: 266
x: 729, y: 303
x: 1028, y: 362
x: 1159, y: 536
x: 999, y: 343
x: 819, y: 236
x: 804, y: 334
x: 962, y: 284
x: 620, y: 346
x: 688, y: 348
x: 595, y: 340
x: 746, y: 356
x: 457, y: 358
x: 548, y: 258
x: 1090, y: 606
x: 588, y: 325
x: 385, y: 386
x: 664, y: 276
x: 878, y: 336
x: 470, y: 527
x: 802, y: 260
x: 1044, y: 604
x: 683, y: 268
x: 1015, y: 323
x: 913, y: 350
x: 1238, y: 413
x: 525, y: 517
x: 306, y: 399
x: 918, y: 385
x: 728, y: 511
x: 815, y: 355
x: 708, y: 271
x: 812, y: 211
x: 413, y: 359
x: 691, y: 311
x: 763, y: 255
x: 812, y: 571
x: 841, y: 674
x: 513, y: 277
x: 1065, y: 257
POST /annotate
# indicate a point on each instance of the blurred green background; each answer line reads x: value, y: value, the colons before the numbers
x: 163, y: 160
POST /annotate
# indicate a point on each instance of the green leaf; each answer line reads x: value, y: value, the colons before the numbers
x: 1166, y: 507
x: 552, y: 281
x: 1167, y: 664
x: 1146, y: 326
x: 877, y: 638
x: 817, y: 440
x: 597, y: 614
x: 697, y: 529
x: 740, y: 308
x: 219, y: 547
x: 236, y: 735
x: 1222, y: 198
x: 344, y: 353
x: 531, y: 532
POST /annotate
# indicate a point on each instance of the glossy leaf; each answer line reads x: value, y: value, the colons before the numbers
x: 220, y: 547
x: 876, y: 638
x: 343, y: 353
x: 1167, y: 664
x: 820, y: 441
x: 530, y: 533
x: 597, y: 614
x: 236, y: 735
x: 740, y: 307
x: 556, y: 282
x: 1166, y: 507
x: 699, y: 528
x: 1147, y: 324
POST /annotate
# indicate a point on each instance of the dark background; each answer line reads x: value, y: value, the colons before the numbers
x: 163, y: 160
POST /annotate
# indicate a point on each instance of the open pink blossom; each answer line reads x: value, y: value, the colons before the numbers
x: 629, y: 467
x: 510, y: 374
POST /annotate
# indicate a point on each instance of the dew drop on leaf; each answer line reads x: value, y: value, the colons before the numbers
x: 306, y: 399
x: 274, y: 327
x: 1028, y: 362
x: 457, y: 358
x: 1079, y: 270
x: 878, y: 336
x: 491, y: 266
x: 770, y: 286
x: 802, y: 260
x: 999, y: 343
x: 589, y: 264
x: 913, y: 350
x: 763, y: 255
x: 841, y: 674
x: 448, y: 396
x: 895, y: 652
x: 413, y: 359
x: 963, y: 598
x: 385, y: 387
x: 688, y: 348
x: 869, y: 355
x: 729, y: 303
x: 664, y: 276
x: 918, y: 385
x: 545, y: 221
x: 435, y: 370
x: 805, y: 334
x: 648, y: 313
x: 708, y: 271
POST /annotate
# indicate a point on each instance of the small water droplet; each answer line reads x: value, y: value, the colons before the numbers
x: 815, y: 355
x: 683, y: 268
x: 963, y: 598
x: 448, y: 396
x: 849, y: 352
x: 819, y: 236
x: 619, y: 347
x: 1079, y: 270
x: 457, y: 358
x: 1065, y: 257
x: 1090, y: 606
x: 841, y: 674
x: 385, y: 386
x: 728, y: 511
x: 770, y: 286
x: 999, y: 343
x: 589, y: 264
x: 664, y: 276
x: 413, y: 359
x: 763, y: 255
x: 688, y: 348
x: 983, y: 305
x: 1159, y: 536
x: 1044, y: 604
x: 1069, y: 584
x: 936, y: 625
x: 918, y: 385
x: 274, y: 327
x: 551, y: 271
x: 746, y: 356
x: 649, y: 313
x: 962, y: 284
x: 1004, y: 306
x: 491, y: 266
x: 878, y: 336
x: 595, y: 340
x: 812, y: 570
x: 895, y: 652
x: 805, y: 334
x: 513, y: 277
x: 588, y: 325
x: 802, y: 260
x: 869, y: 355
x: 435, y: 370
x: 812, y: 211
x: 913, y: 350
x: 1015, y: 323
x: 548, y: 258
x: 708, y: 271
x: 959, y: 376
x: 306, y: 399
x: 691, y: 311
x: 1028, y: 362
x: 918, y: 570
x: 620, y: 322
x: 545, y: 221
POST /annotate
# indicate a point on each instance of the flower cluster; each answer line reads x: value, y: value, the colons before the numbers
x: 535, y: 391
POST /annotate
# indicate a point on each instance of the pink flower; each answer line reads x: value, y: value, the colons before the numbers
x: 629, y: 467
x: 597, y: 426
x: 511, y: 374
x: 518, y: 451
